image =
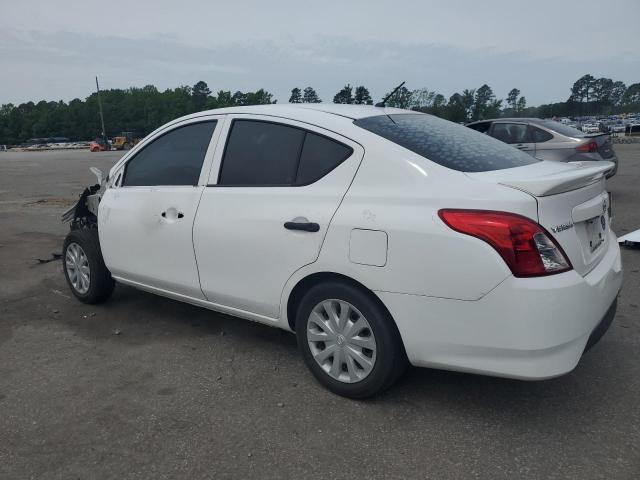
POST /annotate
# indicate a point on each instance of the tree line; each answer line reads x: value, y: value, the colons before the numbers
x: 142, y: 110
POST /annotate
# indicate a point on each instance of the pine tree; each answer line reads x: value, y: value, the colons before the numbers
x: 310, y: 96
x: 344, y: 96
x: 362, y: 96
x: 296, y: 96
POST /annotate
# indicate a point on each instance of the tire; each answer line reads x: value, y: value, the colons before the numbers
x: 100, y: 284
x: 352, y: 377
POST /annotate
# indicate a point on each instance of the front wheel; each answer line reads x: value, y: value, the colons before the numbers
x: 348, y: 340
x: 84, y: 268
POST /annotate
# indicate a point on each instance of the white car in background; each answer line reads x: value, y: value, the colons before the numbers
x: 590, y: 128
x: 380, y: 236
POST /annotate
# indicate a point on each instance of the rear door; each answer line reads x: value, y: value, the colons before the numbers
x: 272, y: 192
x: 146, y: 216
x: 515, y: 134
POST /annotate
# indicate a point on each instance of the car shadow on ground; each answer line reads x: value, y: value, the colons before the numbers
x: 135, y: 317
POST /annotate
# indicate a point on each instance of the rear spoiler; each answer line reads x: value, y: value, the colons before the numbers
x: 586, y: 174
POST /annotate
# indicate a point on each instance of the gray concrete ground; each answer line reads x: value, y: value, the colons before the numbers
x: 183, y: 392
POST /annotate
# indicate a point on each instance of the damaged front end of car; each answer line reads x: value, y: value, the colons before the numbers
x: 84, y: 214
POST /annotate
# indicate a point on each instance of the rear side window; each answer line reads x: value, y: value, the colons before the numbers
x: 261, y: 153
x: 175, y: 158
x: 319, y: 156
x: 540, y: 136
x: 446, y: 143
x: 511, y: 132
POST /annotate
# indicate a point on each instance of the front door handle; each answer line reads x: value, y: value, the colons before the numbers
x: 304, y: 226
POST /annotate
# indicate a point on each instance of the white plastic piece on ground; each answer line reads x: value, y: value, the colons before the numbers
x: 633, y: 237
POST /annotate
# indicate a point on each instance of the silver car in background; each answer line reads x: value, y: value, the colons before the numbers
x: 550, y: 140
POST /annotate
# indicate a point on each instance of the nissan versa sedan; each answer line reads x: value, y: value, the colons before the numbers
x: 380, y: 236
x: 551, y: 140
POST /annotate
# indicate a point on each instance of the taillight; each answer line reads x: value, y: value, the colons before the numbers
x: 527, y: 248
x: 590, y: 147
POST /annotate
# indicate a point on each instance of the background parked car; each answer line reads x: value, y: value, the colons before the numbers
x: 550, y: 140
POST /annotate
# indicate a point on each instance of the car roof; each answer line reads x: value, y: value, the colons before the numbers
x: 294, y: 110
x: 510, y: 119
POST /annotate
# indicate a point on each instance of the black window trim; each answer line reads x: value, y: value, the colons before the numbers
x: 171, y: 128
x: 306, y: 131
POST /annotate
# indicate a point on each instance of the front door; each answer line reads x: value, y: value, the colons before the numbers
x: 146, y: 219
x: 267, y: 208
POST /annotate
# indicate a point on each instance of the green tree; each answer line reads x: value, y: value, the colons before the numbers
x: 521, y: 105
x: 457, y: 110
x: 400, y: 99
x: 362, y: 96
x: 310, y: 96
x: 485, y: 104
x: 632, y: 96
x: 512, y: 99
x: 296, y: 96
x: 344, y: 96
x: 582, y: 89
x: 617, y: 93
x: 199, y: 94
x: 422, y: 99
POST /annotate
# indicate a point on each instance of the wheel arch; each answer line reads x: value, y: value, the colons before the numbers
x: 309, y: 281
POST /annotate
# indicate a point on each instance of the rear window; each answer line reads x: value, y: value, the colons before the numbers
x: 446, y: 143
x: 562, y: 129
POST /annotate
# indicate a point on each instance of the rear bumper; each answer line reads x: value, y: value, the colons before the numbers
x: 526, y: 328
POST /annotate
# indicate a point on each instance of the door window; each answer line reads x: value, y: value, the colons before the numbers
x: 175, y: 158
x: 511, y: 132
x: 260, y: 153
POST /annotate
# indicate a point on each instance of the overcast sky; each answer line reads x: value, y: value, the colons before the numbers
x: 52, y: 49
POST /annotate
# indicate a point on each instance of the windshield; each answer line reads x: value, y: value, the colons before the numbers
x: 446, y: 143
x: 565, y: 130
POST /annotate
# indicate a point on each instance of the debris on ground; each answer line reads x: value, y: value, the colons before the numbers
x: 117, y: 331
x: 53, y: 258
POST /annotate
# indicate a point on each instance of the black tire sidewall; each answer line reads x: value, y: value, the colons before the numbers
x: 389, y: 350
x: 100, y: 283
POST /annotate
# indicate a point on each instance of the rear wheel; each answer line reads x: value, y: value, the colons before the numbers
x: 348, y: 340
x: 85, y: 271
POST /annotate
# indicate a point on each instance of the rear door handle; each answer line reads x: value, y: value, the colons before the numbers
x: 179, y: 215
x: 304, y: 226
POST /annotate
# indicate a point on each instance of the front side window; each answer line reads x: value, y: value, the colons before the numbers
x: 260, y: 153
x: 511, y: 132
x: 446, y: 143
x: 175, y: 158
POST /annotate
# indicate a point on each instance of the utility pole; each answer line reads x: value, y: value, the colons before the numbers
x: 104, y: 133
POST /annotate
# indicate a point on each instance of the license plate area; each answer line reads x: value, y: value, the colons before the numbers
x: 595, y: 230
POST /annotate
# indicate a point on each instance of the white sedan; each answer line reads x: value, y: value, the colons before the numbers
x: 380, y: 236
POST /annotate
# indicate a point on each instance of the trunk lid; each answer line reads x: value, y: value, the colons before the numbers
x: 573, y: 205
x: 605, y: 146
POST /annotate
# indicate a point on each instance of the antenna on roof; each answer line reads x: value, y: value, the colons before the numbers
x: 383, y: 103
